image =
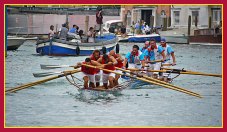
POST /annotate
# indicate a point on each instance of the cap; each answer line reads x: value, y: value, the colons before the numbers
x: 163, y: 39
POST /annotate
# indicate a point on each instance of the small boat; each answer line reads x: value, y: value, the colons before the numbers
x: 141, y: 38
x: 14, y: 42
x: 113, y: 26
x: 58, y: 47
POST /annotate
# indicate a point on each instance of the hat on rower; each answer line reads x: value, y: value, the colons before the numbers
x: 163, y: 39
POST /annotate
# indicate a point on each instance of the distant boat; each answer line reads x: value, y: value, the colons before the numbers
x: 60, y: 47
x: 114, y: 25
x: 14, y: 42
x: 141, y: 38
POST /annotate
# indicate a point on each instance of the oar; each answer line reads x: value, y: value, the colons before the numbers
x: 179, y: 72
x: 182, y: 71
x: 134, y: 69
x: 54, y: 66
x: 158, y: 81
x: 44, y: 74
x: 40, y: 81
x: 154, y: 61
x: 149, y: 81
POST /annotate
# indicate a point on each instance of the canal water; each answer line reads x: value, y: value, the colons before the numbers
x: 57, y: 103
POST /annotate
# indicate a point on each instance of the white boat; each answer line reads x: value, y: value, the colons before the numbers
x: 114, y: 26
x: 14, y: 42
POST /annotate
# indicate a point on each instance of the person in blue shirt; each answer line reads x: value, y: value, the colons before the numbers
x: 169, y: 52
x: 146, y: 46
x: 135, y: 58
x: 154, y: 53
x: 73, y: 29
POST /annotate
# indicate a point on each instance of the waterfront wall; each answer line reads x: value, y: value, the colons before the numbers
x: 40, y: 23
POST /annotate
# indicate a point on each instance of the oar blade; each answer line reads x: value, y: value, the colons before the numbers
x: 38, y: 82
x: 44, y: 74
x: 52, y: 66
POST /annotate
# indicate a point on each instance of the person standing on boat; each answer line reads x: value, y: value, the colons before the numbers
x: 169, y: 53
x: 63, y: 32
x: 89, y: 73
x: 154, y: 52
x: 135, y: 58
x: 51, y: 33
x: 119, y: 65
x: 94, y: 57
x: 146, y: 46
x: 99, y: 18
x: 91, y: 35
x: 108, y: 63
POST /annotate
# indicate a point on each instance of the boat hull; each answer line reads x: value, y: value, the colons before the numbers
x: 62, y: 48
x: 143, y: 38
x: 140, y: 38
x: 14, y: 42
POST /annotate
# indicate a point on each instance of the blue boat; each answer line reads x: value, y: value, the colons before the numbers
x: 58, y: 47
x: 143, y: 38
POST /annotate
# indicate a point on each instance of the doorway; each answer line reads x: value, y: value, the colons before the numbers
x: 145, y: 15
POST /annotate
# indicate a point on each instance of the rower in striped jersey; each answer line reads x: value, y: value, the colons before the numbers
x: 135, y: 58
x: 169, y: 52
x: 146, y: 46
x: 155, y: 52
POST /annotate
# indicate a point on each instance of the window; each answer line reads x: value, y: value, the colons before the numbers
x: 163, y: 14
x: 216, y: 15
x: 194, y: 15
x: 129, y: 18
x: 176, y: 17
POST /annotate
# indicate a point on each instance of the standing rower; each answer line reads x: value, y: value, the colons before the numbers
x: 169, y: 52
x: 153, y: 53
x: 109, y: 63
x: 119, y: 65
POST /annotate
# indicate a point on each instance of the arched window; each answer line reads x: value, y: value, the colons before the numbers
x: 163, y: 14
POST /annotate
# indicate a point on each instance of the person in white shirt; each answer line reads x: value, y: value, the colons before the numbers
x: 51, y: 33
x: 91, y: 35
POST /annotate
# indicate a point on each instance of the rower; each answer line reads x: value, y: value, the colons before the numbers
x: 155, y: 52
x: 119, y: 65
x: 146, y: 46
x: 135, y: 58
x: 169, y: 52
x: 89, y: 73
x: 109, y: 63
x: 94, y: 57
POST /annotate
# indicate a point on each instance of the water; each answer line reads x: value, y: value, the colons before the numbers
x: 57, y: 103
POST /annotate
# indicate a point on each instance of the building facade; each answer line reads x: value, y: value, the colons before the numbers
x: 180, y: 14
x: 132, y: 14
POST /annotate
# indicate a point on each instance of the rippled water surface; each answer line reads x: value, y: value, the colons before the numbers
x: 57, y: 103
